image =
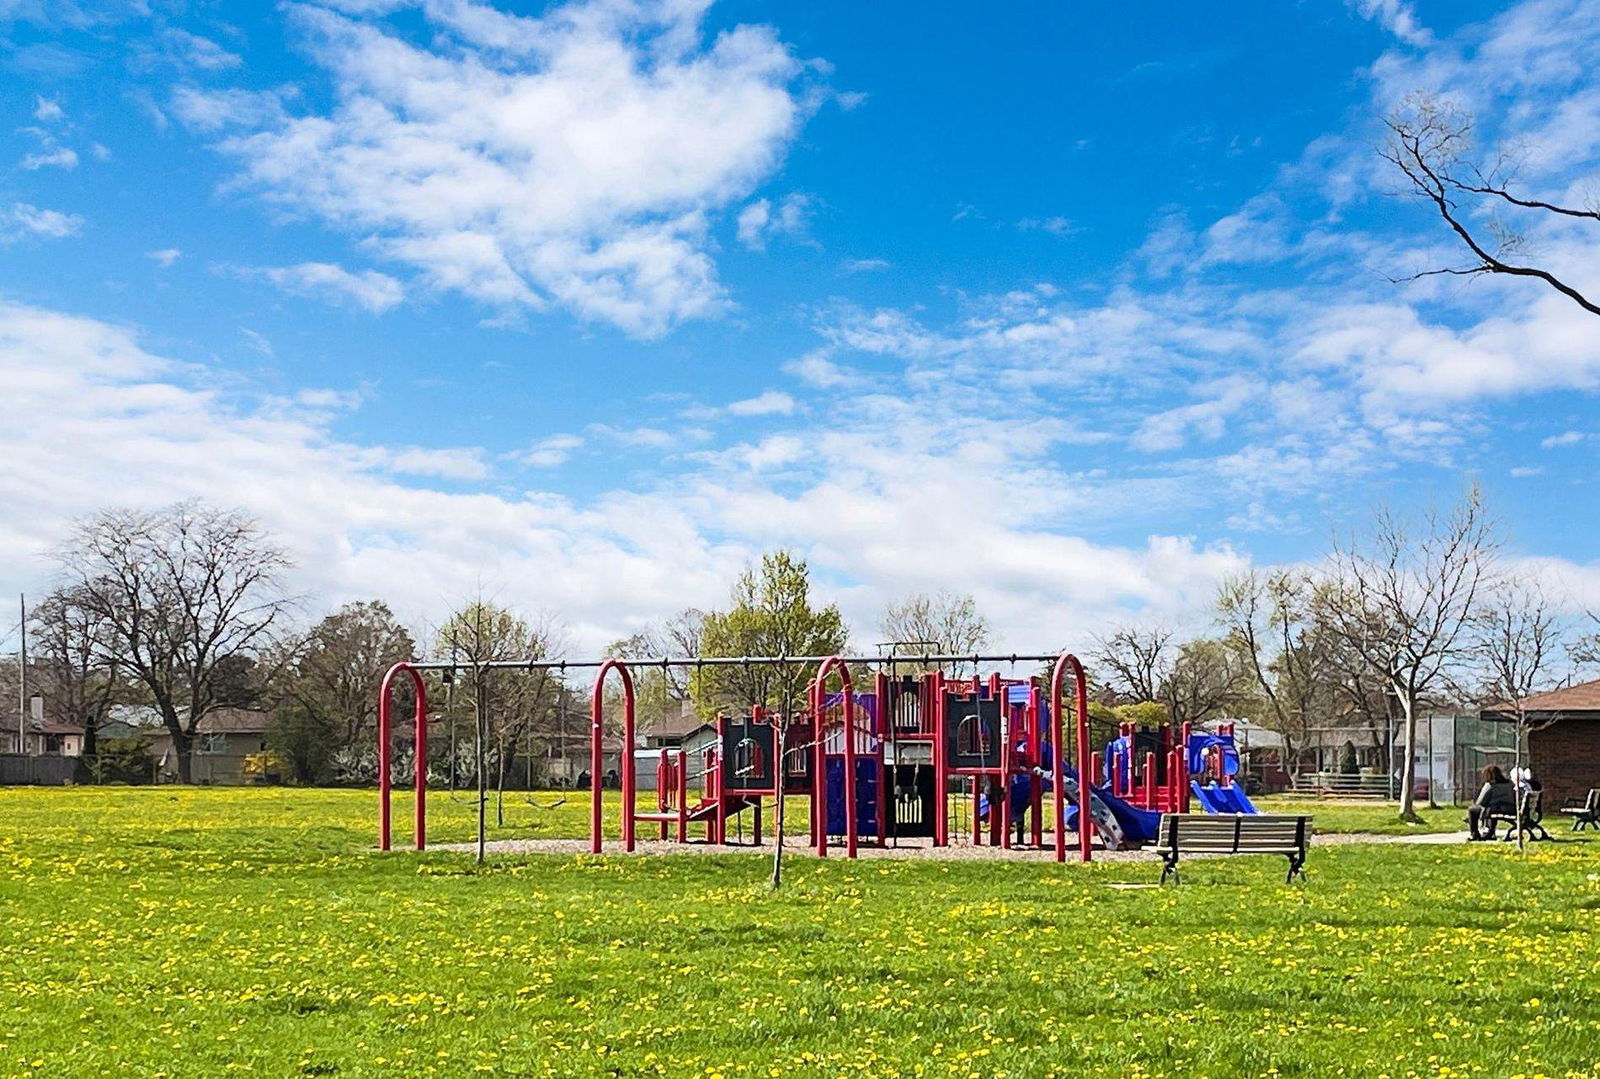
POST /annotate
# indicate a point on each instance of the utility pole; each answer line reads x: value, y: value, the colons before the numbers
x: 22, y: 677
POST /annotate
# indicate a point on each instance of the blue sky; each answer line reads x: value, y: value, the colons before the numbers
x: 1074, y: 307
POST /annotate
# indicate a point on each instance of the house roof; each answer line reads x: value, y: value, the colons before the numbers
x: 1583, y: 697
x: 234, y: 721
x: 673, y: 726
x: 54, y: 726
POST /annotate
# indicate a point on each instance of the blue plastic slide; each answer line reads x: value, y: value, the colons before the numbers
x: 1215, y: 799
x: 1128, y: 823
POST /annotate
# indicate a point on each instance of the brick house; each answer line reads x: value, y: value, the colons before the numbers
x: 1563, y: 739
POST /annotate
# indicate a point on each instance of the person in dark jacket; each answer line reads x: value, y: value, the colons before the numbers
x: 1497, y: 796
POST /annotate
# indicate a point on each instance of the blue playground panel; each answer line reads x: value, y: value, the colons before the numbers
x: 869, y: 775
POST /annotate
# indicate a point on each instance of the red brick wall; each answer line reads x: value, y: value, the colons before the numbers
x: 1566, y: 758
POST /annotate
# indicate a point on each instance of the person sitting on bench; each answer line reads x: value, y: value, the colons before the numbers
x: 1498, y: 796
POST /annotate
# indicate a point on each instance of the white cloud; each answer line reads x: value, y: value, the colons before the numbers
x: 1207, y: 419
x: 211, y: 111
x: 864, y: 265
x: 1524, y: 472
x: 1566, y: 438
x: 1055, y: 226
x: 25, y: 221
x: 1396, y: 16
x: 572, y: 158
x: 818, y: 369
x: 752, y: 224
x: 196, y: 51
x: 258, y: 342
x: 109, y: 416
x: 369, y: 289
x: 652, y: 438
x: 60, y: 157
x: 452, y: 463
x: 47, y: 111
x: 770, y: 403
x: 762, y: 220
x: 165, y: 257
x: 551, y: 452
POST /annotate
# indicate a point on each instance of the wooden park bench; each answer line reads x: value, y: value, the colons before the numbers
x: 1528, y: 820
x: 1584, y: 814
x: 1233, y: 833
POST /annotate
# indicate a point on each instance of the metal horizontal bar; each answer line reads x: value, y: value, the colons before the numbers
x: 725, y: 661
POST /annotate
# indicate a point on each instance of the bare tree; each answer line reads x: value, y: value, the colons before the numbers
x: 507, y: 706
x: 1139, y: 661
x: 1430, y: 142
x: 1516, y: 638
x: 70, y: 642
x: 1270, y: 614
x: 1404, y: 602
x: 182, y: 596
x: 1209, y: 678
x: 944, y: 623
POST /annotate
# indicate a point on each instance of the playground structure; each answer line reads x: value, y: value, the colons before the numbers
x: 881, y: 766
x: 952, y: 730
x: 1154, y: 771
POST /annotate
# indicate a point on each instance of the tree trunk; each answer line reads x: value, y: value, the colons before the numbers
x: 778, y: 813
x: 500, y: 785
x: 1517, y: 787
x: 183, y: 749
x: 1408, y: 769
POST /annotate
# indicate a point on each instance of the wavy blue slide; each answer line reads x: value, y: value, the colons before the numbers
x: 1215, y: 799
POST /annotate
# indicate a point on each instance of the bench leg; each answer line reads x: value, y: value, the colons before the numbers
x: 1296, y: 868
x: 1169, y: 868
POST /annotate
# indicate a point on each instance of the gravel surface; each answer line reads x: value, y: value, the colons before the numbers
x: 957, y: 851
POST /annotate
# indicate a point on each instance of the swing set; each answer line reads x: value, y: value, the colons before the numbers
x: 877, y: 764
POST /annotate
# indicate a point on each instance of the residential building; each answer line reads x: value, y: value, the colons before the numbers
x: 1563, y: 732
x: 223, y: 740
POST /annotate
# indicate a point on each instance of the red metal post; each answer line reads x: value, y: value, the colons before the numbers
x: 1149, y: 785
x: 941, y: 776
x: 1184, y: 793
x: 664, y: 781
x: 596, y: 756
x: 1035, y: 787
x: 881, y: 723
x: 386, y: 754
x: 683, y: 796
x: 828, y: 666
x: 1085, y: 778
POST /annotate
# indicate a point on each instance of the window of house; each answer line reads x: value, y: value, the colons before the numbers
x: 213, y: 743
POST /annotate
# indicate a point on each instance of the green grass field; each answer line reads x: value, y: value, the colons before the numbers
x: 163, y: 932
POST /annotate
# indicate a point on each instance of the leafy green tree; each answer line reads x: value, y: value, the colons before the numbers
x: 772, y: 614
x: 339, y: 665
